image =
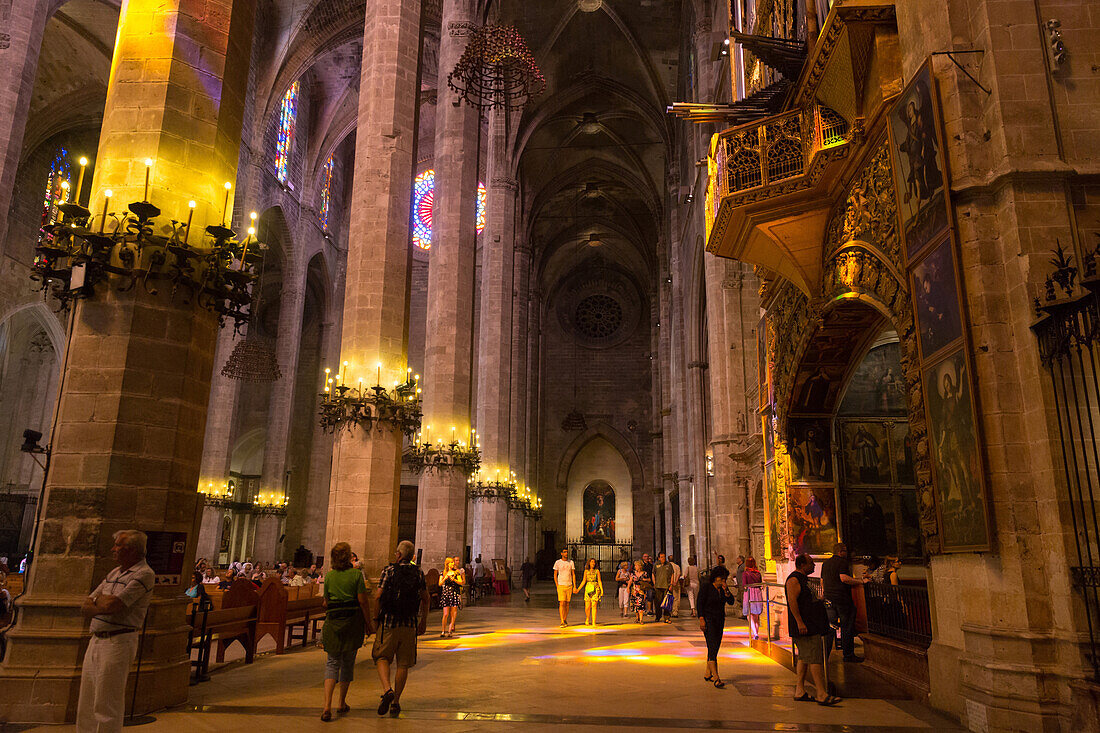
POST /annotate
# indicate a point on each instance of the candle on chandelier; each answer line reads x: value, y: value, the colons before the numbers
x: 106, y: 204
x: 148, y: 168
x: 344, y: 373
x: 225, y: 206
x: 378, y: 380
x: 80, y: 179
x: 190, y: 216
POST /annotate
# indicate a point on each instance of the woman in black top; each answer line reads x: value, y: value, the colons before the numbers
x: 713, y: 597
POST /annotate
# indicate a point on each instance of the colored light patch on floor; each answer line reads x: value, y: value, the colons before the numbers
x: 665, y: 652
x: 506, y: 637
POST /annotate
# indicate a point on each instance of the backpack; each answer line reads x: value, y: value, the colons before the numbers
x: 400, y: 597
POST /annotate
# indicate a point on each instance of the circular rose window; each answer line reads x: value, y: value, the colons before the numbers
x: 598, y: 316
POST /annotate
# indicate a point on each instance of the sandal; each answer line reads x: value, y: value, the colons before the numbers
x: 387, y: 699
x: 829, y: 701
x: 395, y: 710
x: 719, y: 684
x: 805, y: 697
x: 343, y: 709
x: 708, y: 678
x: 326, y: 716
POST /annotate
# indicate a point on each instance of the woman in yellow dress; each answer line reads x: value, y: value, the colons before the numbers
x: 593, y: 591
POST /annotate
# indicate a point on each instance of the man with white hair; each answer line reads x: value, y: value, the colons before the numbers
x: 117, y: 609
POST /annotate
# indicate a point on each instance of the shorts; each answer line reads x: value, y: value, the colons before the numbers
x: 565, y: 593
x: 341, y: 666
x: 395, y: 643
x: 811, y: 649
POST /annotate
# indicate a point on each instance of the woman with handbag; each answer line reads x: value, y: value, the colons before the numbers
x: 346, y: 612
x: 593, y: 591
x: 451, y: 581
x: 714, y: 596
x: 639, y: 579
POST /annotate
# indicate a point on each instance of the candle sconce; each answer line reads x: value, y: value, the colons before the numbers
x: 343, y: 406
x: 74, y: 259
x: 457, y: 455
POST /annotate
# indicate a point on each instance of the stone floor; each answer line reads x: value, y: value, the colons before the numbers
x: 512, y: 667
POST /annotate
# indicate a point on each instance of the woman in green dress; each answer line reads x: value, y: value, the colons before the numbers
x: 346, y: 614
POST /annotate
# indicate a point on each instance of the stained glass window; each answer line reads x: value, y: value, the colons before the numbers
x: 423, y: 199
x: 326, y: 194
x: 55, y: 194
x: 288, y: 115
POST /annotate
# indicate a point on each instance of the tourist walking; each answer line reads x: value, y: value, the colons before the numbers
x: 691, y: 578
x: 592, y: 585
x: 662, y: 579
x: 527, y: 574
x: 752, y: 599
x: 451, y: 582
x: 675, y: 587
x: 713, y: 597
x: 117, y: 611
x: 347, y: 609
x: 808, y: 623
x: 402, y: 615
x: 565, y: 577
x: 623, y: 579
x: 640, y: 583
x: 836, y: 586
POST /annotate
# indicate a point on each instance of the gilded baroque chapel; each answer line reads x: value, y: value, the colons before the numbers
x: 503, y: 278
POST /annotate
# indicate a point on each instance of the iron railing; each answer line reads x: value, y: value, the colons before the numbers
x: 899, y: 612
x: 1069, y: 346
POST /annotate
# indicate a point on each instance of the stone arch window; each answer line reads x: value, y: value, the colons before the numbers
x: 423, y: 201
x: 284, y: 141
x: 326, y: 194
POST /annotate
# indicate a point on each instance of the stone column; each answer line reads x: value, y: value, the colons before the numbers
x: 516, y: 537
x: 534, y: 381
x: 219, y: 415
x: 22, y: 26
x: 287, y: 348
x: 210, y: 534
x: 363, y: 496
x: 521, y: 266
x: 265, y: 541
x: 132, y: 412
x: 441, y: 505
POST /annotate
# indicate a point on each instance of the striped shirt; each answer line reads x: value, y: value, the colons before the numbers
x: 134, y: 587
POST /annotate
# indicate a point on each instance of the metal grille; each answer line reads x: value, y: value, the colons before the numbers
x: 899, y: 612
x: 785, y: 159
x: 1069, y: 341
x: 834, y: 128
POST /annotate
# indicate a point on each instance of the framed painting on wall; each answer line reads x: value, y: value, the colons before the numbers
x: 953, y: 433
x: 920, y: 171
x: 811, y: 519
x: 937, y: 300
x: 810, y: 449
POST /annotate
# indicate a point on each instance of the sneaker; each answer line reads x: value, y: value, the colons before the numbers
x: 387, y: 700
x: 395, y: 710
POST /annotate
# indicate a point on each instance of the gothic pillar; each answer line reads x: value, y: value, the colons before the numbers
x: 131, y: 417
x: 221, y: 409
x: 521, y: 266
x: 366, y: 471
x: 441, y: 504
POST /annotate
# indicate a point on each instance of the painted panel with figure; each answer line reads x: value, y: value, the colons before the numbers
x: 866, y: 454
x: 808, y: 442
x: 936, y: 299
x: 599, y: 513
x: 919, y: 170
x: 772, y: 516
x: 956, y: 455
x: 877, y: 387
x: 811, y: 514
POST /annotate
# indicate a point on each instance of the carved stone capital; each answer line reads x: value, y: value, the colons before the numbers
x: 505, y: 183
x: 461, y: 29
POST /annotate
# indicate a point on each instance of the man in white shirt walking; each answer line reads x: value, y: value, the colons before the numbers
x: 117, y: 609
x: 565, y: 577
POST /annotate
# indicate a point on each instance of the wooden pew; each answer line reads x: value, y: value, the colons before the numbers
x: 305, y: 608
x: 236, y: 619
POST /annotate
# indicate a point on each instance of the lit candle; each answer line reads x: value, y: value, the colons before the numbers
x: 64, y: 198
x: 80, y: 179
x: 379, y: 381
x: 148, y: 167
x: 452, y: 433
x: 106, y: 204
x: 225, y: 206
x: 344, y: 373
x: 190, y: 215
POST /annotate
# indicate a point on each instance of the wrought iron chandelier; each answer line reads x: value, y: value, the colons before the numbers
x: 518, y: 497
x: 455, y: 455
x: 74, y: 257
x: 343, y: 406
x: 254, y: 358
x: 497, y: 70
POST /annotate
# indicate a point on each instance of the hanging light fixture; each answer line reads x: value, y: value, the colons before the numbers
x: 497, y: 70
x: 253, y: 358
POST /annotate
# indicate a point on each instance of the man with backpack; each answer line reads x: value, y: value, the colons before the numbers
x: 402, y: 616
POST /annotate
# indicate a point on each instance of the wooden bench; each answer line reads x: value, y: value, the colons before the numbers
x: 276, y: 613
x: 235, y: 621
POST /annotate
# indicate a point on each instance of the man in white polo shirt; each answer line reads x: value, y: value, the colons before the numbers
x: 117, y: 609
x: 565, y: 577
